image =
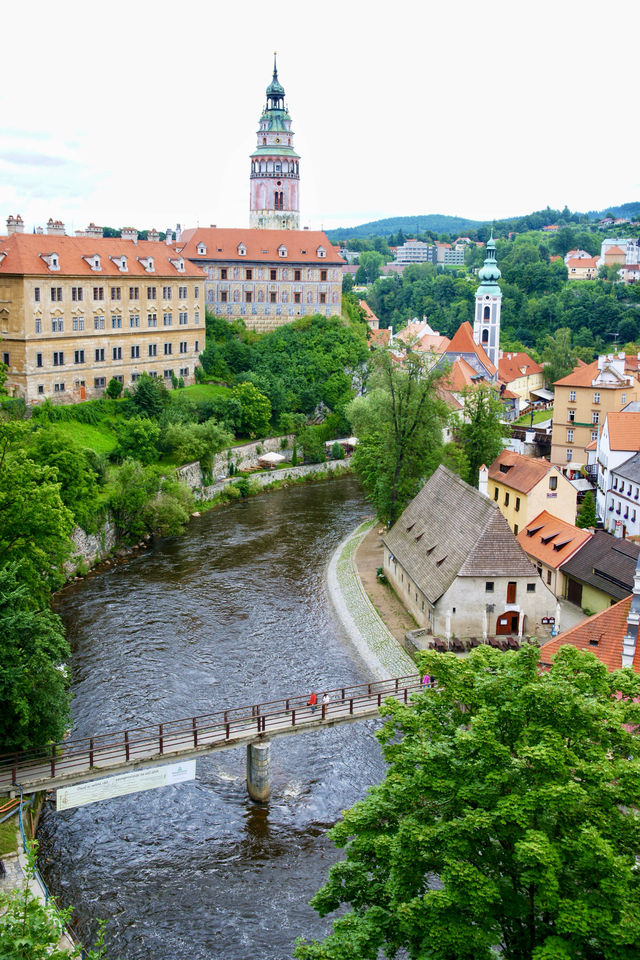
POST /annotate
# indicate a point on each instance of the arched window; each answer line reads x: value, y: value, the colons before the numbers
x: 487, y: 313
x: 485, y: 336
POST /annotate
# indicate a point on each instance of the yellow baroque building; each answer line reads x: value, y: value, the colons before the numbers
x: 78, y: 311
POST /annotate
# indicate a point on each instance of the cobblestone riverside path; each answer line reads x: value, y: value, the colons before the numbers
x: 376, y: 644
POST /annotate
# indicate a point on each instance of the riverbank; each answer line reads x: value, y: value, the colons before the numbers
x: 377, y: 643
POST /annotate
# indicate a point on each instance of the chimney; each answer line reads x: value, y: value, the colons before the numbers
x: 178, y: 232
x: 93, y: 231
x: 483, y: 480
x: 169, y: 237
x: 213, y: 226
x: 129, y: 233
x: 153, y: 235
x: 630, y: 639
x: 55, y: 228
x: 15, y: 224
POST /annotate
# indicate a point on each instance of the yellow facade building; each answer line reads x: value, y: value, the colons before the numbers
x: 521, y: 374
x: 581, y: 402
x: 78, y: 311
x: 524, y: 487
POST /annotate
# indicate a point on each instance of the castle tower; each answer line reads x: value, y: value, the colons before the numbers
x: 275, y: 168
x: 486, y: 327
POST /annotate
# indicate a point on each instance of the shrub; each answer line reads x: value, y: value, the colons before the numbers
x: 337, y: 452
x: 114, y: 388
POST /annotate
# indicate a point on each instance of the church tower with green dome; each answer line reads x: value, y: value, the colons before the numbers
x: 275, y: 166
x: 486, y: 327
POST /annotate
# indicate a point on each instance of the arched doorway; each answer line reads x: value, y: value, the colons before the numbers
x: 507, y: 623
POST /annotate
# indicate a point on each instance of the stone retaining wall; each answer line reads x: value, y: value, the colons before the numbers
x: 243, y: 457
x: 90, y: 548
x: 267, y: 477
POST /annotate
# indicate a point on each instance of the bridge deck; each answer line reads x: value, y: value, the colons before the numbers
x: 75, y: 761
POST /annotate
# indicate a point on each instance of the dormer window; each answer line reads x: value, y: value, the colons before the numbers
x: 178, y: 264
x: 147, y: 263
x: 321, y: 252
x: 282, y: 251
x: 121, y: 263
x: 202, y: 250
x: 51, y: 260
x: 95, y: 265
x: 3, y: 254
x: 242, y: 250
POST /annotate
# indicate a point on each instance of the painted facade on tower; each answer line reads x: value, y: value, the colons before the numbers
x: 275, y: 166
x: 486, y: 327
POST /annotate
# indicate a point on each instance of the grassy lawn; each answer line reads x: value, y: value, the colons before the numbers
x: 203, y: 391
x: 538, y: 417
x: 100, y: 437
x: 8, y: 840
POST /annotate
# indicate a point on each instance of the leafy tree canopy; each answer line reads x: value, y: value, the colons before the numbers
x: 481, y: 431
x: 587, y: 513
x: 74, y: 472
x: 256, y: 409
x: 506, y: 825
x: 138, y: 438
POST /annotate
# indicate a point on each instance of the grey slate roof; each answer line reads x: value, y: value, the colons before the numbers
x: 606, y: 563
x: 451, y: 529
x: 630, y: 469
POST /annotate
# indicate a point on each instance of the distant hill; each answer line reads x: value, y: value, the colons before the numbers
x: 440, y: 223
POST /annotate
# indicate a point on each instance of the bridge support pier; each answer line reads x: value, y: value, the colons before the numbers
x: 258, y: 780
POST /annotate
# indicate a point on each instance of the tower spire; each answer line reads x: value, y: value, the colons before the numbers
x: 486, y: 327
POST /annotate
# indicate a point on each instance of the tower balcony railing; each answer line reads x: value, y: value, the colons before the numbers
x: 274, y: 176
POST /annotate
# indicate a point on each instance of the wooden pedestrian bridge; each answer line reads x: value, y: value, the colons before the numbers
x: 76, y: 761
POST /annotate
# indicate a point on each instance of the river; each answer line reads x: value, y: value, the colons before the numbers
x: 235, y: 611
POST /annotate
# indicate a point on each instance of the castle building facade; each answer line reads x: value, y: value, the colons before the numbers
x: 275, y: 166
x: 78, y: 311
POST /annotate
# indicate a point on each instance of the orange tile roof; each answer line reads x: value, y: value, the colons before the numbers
x: 24, y: 257
x: 551, y: 540
x: 581, y: 376
x: 380, y: 337
x: 583, y: 262
x: 601, y: 634
x: 521, y: 473
x: 617, y: 251
x: 461, y: 376
x: 370, y: 316
x: 261, y: 245
x: 463, y: 342
x: 593, y: 445
x: 510, y: 366
x: 624, y: 430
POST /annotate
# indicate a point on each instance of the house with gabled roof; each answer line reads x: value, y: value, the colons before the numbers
x: 618, y: 442
x: 549, y: 542
x: 601, y: 572
x: 464, y: 346
x: 520, y: 374
x: 522, y: 487
x: 457, y: 567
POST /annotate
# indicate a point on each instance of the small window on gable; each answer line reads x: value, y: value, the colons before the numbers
x: 54, y: 262
x: 282, y: 251
x: 242, y: 250
x: 553, y: 483
x: 321, y: 252
x: 441, y: 561
x: 96, y: 262
x: 202, y: 249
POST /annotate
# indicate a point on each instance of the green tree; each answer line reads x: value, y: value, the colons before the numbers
x: 143, y: 502
x: 35, y: 525
x: 149, y: 395
x: 558, y: 355
x: 114, y: 388
x: 256, y: 409
x: 312, y: 442
x: 196, y: 441
x: 587, y: 513
x: 137, y: 438
x: 78, y: 483
x: 33, y: 686
x: 399, y: 427
x: 371, y: 262
x: 506, y: 824
x: 481, y: 432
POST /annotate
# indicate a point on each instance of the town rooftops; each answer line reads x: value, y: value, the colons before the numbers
x: 27, y: 254
x: 605, y: 563
x: 582, y: 263
x: 550, y: 540
x: 461, y: 376
x: 630, y: 469
x: 452, y: 530
x: 299, y: 246
x: 519, y: 472
x: 462, y: 342
x: 601, y: 634
x: 369, y: 315
x: 624, y: 430
x: 511, y: 366
x: 379, y: 337
x: 581, y: 376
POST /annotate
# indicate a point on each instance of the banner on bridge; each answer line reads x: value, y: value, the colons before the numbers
x: 124, y: 783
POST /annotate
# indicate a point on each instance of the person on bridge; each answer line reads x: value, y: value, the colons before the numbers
x: 325, y: 699
x: 312, y: 702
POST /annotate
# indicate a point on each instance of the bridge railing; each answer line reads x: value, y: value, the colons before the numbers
x: 113, y: 747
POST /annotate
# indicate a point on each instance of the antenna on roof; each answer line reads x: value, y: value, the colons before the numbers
x: 615, y: 339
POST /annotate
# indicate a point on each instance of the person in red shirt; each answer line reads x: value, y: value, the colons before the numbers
x: 312, y: 701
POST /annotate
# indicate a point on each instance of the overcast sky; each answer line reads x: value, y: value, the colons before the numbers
x: 145, y: 114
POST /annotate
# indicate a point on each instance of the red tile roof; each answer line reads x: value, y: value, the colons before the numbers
x: 581, y: 376
x: 510, y: 366
x: 24, y: 257
x: 463, y: 342
x: 582, y: 263
x: 261, y: 245
x: 624, y: 430
x: 370, y: 316
x: 380, y: 337
x: 601, y: 634
x: 551, y: 540
x: 461, y: 376
x: 519, y: 472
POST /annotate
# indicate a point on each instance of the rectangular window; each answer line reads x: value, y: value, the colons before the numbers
x: 116, y: 293
x: 569, y: 453
x: 168, y: 349
x: 594, y: 435
x: 506, y: 498
x: 623, y: 398
x: 99, y: 382
x: 323, y: 298
x: 184, y: 346
x: 548, y: 577
x: 247, y: 296
x: 248, y: 274
x: 6, y: 359
x: 196, y: 292
x: 489, y: 586
x: 196, y: 317
x: 571, y: 416
x: 76, y: 294
x: 153, y: 349
x: 273, y: 297
x: 58, y: 388
x: 572, y: 396
x: 531, y: 588
x: 569, y: 436
x: 515, y: 529
x: 116, y: 353
x: 134, y: 320
x: 223, y: 296
x: 116, y: 322
x: 99, y: 355
x: 297, y: 275
x: 167, y: 320
x: 135, y: 352
x: 38, y: 359
x: 182, y: 293
x: 553, y: 483
x: 38, y: 325
x: 323, y: 276
x: 168, y: 374
x: 56, y: 294
x: 78, y: 356
x: 98, y: 293
x: 57, y: 326
x: 182, y: 319
x: 134, y: 293
x: 296, y: 298
x: 166, y: 293
x: 98, y: 323
x: 151, y: 293
x: 58, y: 358
x: 596, y: 398
x: 595, y: 416
x: 184, y: 371
x: 152, y: 320
x: 273, y: 274
x: 495, y: 494
x: 36, y: 294
x: 223, y: 273
x: 517, y: 504
x: 78, y: 323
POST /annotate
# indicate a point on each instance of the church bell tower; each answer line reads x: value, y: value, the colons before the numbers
x: 486, y: 327
x: 275, y: 166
